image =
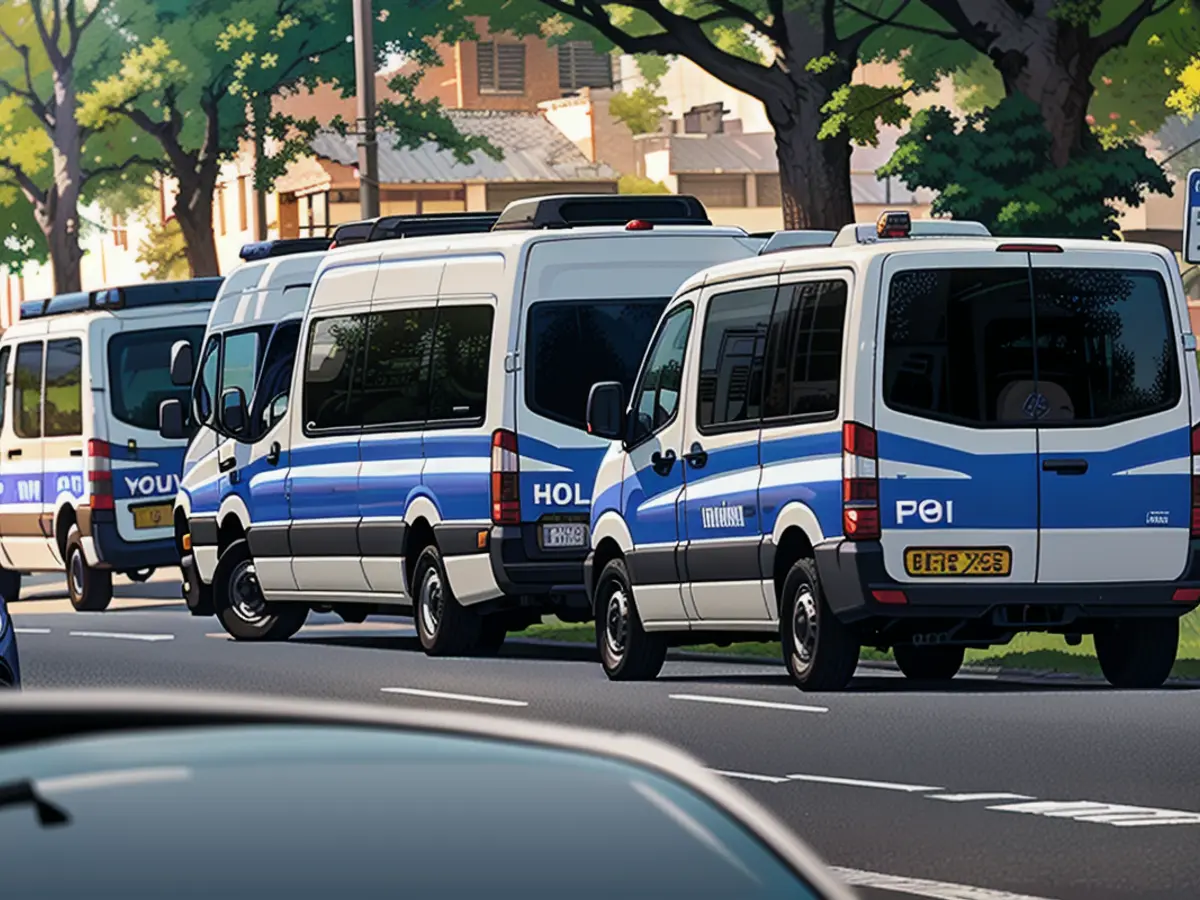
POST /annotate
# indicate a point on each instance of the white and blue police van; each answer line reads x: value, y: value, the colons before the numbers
x: 434, y: 459
x: 917, y: 437
x: 87, y: 484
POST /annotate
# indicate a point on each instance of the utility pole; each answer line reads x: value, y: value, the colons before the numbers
x: 368, y: 149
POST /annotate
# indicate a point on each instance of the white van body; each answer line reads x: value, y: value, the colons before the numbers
x: 371, y: 467
x: 256, y: 316
x: 865, y: 436
x: 81, y: 461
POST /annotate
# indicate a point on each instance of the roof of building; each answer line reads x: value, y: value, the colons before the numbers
x: 534, y: 150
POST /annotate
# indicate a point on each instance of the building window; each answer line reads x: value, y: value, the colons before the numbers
x: 242, y: 210
x: 720, y: 191
x: 501, y: 68
x: 120, y: 232
x: 581, y: 65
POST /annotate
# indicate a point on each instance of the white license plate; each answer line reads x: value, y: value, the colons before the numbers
x: 571, y: 534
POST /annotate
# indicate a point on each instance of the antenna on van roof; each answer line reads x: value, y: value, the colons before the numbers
x: 581, y: 210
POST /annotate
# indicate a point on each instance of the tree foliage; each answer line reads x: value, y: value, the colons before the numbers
x: 994, y: 167
x: 162, y: 253
x: 640, y: 110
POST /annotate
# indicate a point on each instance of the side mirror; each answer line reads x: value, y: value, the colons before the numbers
x: 170, y: 420
x: 606, y: 410
x: 183, y: 368
x: 233, y: 411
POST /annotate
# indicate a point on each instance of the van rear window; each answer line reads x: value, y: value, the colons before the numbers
x: 139, y: 372
x: 573, y: 344
x: 959, y: 346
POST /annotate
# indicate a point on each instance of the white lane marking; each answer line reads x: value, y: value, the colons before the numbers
x: 1118, y: 814
x: 750, y: 776
x: 757, y: 704
x: 859, y: 782
x: 465, y: 698
x: 964, y: 798
x: 113, y: 778
x: 923, y: 887
x: 31, y: 630
x: 123, y: 635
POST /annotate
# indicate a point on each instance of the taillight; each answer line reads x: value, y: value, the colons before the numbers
x: 506, y: 479
x: 860, y: 483
x: 1195, y: 483
x: 99, y: 474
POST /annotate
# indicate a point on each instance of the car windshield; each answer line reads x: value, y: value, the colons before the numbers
x: 296, y: 788
x: 139, y: 372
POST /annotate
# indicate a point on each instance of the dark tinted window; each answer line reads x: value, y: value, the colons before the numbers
x: 139, y: 372
x: 958, y: 344
x: 397, y: 375
x: 239, y: 364
x: 27, y: 391
x: 64, y: 388
x: 4, y: 355
x: 731, y: 357
x: 332, y: 372
x: 206, y: 384
x: 658, y: 393
x: 1105, y: 344
x: 275, y: 377
x: 574, y: 344
x: 804, y: 350
x: 458, y: 387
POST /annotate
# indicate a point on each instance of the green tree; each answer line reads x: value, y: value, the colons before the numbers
x: 796, y: 56
x: 49, y: 161
x: 200, y: 78
x: 163, y: 253
x: 640, y: 110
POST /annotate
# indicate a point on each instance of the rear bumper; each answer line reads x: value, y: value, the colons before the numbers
x: 114, y: 552
x: 852, y: 572
x: 521, y: 567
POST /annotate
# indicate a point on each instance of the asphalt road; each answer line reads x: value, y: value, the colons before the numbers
x: 1057, y: 790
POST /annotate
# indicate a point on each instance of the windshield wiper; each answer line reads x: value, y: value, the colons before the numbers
x: 20, y: 793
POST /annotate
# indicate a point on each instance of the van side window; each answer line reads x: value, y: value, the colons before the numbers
x: 332, y: 373
x: 203, y: 401
x: 459, y: 382
x: 275, y: 379
x: 396, y: 385
x: 64, y: 388
x: 658, y: 394
x: 27, y: 390
x: 139, y: 372
x: 239, y: 363
x: 731, y: 358
x: 804, y: 350
x: 4, y: 355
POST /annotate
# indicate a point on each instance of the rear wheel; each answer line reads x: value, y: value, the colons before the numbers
x: 627, y: 651
x: 240, y: 605
x: 1138, y: 653
x: 938, y: 662
x: 820, y: 652
x: 90, y: 588
x: 492, y: 632
x: 10, y: 585
x: 445, y: 626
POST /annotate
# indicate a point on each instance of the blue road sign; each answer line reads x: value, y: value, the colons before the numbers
x: 1191, y: 219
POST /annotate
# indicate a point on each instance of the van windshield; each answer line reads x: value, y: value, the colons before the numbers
x: 573, y: 344
x: 139, y: 372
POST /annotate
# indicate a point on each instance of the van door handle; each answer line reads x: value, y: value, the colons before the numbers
x: 273, y: 453
x: 1065, y: 466
x: 663, y: 462
x: 697, y: 456
x: 13, y: 453
x: 77, y: 451
x: 229, y: 462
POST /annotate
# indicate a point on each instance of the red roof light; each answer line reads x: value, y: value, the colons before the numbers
x: 639, y: 225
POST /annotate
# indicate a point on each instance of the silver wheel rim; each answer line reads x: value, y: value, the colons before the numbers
x: 616, y: 623
x: 76, y: 573
x: 245, y: 595
x: 431, y: 602
x: 805, y: 628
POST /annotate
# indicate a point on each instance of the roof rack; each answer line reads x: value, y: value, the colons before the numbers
x: 352, y: 233
x: 578, y: 210
x: 283, y: 247
x: 898, y: 226
x: 431, y: 224
x: 137, y: 296
x: 779, y: 241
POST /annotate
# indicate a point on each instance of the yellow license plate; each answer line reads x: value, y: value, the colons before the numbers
x: 930, y: 562
x: 156, y: 516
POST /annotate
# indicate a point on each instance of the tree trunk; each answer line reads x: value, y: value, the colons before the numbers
x: 60, y: 222
x: 194, y: 210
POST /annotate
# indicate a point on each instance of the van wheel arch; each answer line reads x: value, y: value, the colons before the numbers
x: 230, y: 530
x: 793, y: 546
x: 181, y: 528
x: 606, y: 551
x: 63, y: 522
x: 418, y: 537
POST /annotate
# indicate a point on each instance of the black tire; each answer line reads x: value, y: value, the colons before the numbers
x: 492, y: 632
x: 196, y: 594
x: 239, y: 603
x: 10, y: 585
x: 936, y: 662
x: 1138, y: 654
x: 444, y: 626
x: 825, y: 655
x: 90, y: 588
x: 627, y: 651
x: 140, y: 576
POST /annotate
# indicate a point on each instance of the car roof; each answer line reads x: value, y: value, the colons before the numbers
x: 65, y: 715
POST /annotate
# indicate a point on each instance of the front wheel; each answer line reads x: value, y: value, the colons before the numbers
x: 937, y: 662
x: 627, y: 651
x: 240, y: 605
x: 820, y: 652
x: 1138, y: 653
x: 90, y: 588
x: 445, y: 626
